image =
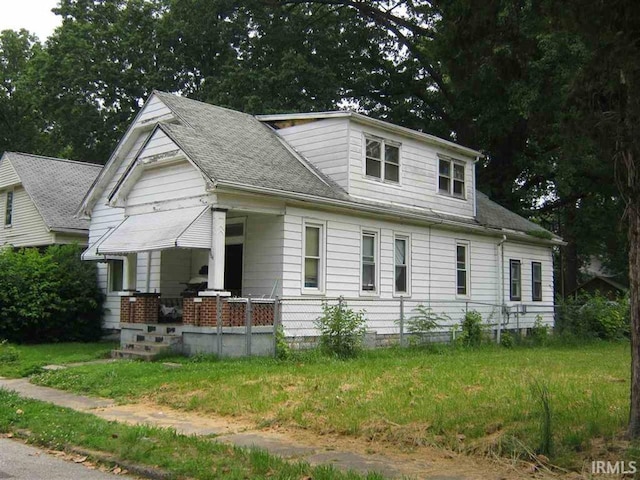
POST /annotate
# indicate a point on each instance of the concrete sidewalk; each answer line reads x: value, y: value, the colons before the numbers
x: 272, y: 442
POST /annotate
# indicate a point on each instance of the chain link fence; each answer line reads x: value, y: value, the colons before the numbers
x: 388, y: 320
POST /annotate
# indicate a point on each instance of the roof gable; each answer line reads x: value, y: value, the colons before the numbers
x: 56, y: 187
x: 235, y: 148
x: 147, y: 118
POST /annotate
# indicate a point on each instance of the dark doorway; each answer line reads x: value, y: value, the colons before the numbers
x: 233, y: 269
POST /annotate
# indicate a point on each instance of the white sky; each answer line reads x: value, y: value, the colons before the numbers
x: 34, y: 15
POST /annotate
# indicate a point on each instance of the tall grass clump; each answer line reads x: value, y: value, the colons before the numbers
x: 540, y: 393
x: 423, y: 322
x: 342, y: 330
x: 472, y: 331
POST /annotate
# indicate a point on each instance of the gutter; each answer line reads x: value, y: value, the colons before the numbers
x: 350, y: 205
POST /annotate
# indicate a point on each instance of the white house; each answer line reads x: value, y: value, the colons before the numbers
x: 306, y: 207
x: 39, y: 197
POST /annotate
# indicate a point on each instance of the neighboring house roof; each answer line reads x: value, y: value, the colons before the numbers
x: 602, y: 284
x: 56, y: 187
x: 493, y: 215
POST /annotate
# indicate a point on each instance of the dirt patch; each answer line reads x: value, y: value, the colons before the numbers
x: 414, y: 461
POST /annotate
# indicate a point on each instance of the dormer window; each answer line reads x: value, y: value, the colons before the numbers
x: 451, y: 178
x: 383, y: 160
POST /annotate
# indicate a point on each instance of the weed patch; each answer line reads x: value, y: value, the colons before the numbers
x: 458, y: 398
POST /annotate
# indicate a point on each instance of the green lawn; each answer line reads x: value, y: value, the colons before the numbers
x: 180, y: 455
x: 476, y: 400
x: 23, y: 360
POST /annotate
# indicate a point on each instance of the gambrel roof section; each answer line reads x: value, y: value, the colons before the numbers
x: 56, y: 186
x: 493, y: 215
x: 234, y: 148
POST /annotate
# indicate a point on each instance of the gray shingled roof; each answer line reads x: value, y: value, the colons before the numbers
x: 56, y: 187
x: 231, y: 146
x: 492, y: 215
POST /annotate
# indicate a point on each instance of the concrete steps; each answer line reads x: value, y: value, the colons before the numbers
x: 157, y: 340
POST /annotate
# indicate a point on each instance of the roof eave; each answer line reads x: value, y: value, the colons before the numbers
x: 494, y: 232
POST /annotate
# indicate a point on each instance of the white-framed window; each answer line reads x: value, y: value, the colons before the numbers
x: 115, y: 275
x: 536, y: 281
x: 451, y: 177
x: 8, y: 209
x: 313, y: 268
x: 515, y: 280
x: 401, y: 264
x: 369, y: 262
x: 462, y: 269
x: 382, y: 160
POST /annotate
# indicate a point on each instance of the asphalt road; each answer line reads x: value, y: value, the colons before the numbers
x: 23, y: 462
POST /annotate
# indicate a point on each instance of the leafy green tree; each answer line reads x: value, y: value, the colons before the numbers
x: 98, y: 67
x: 607, y: 108
x: 21, y: 122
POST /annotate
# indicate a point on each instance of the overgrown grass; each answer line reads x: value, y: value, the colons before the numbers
x: 180, y: 455
x: 479, y: 399
x: 24, y: 360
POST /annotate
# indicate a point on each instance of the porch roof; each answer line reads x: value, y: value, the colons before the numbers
x: 181, y: 228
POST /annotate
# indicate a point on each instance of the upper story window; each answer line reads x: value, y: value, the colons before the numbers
x: 451, y: 178
x: 382, y: 160
x: 8, y: 209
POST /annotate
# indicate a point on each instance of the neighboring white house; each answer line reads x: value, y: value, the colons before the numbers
x: 308, y: 207
x: 39, y: 197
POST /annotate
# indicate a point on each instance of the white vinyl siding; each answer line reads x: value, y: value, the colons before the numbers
x: 104, y: 217
x: 263, y: 260
x: 418, y: 170
x: 152, y: 110
x: 27, y: 228
x: 8, y: 175
x: 324, y: 143
x: 432, y: 274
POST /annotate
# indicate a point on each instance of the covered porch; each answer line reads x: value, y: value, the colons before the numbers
x: 201, y: 268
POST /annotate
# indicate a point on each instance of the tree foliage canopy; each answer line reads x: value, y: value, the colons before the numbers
x: 499, y: 76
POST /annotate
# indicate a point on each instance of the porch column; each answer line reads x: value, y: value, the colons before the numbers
x: 215, y: 278
x: 129, y: 267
